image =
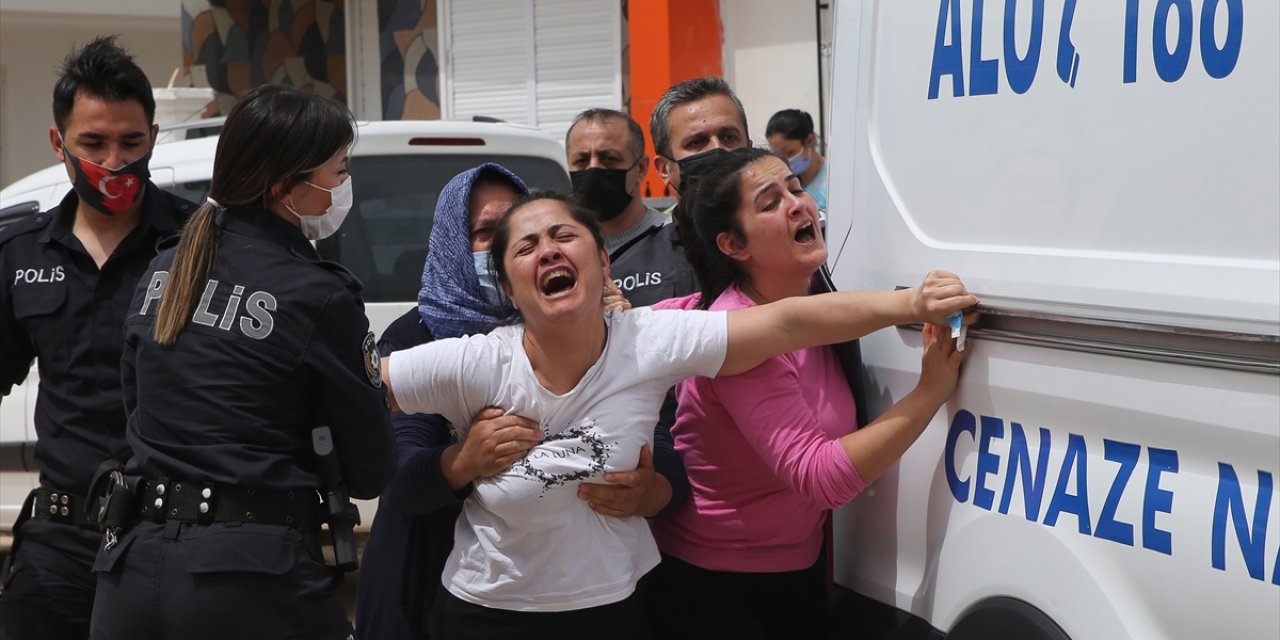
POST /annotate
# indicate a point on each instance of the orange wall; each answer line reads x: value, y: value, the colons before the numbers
x: 671, y: 40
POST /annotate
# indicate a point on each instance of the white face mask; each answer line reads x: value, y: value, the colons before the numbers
x: 319, y: 227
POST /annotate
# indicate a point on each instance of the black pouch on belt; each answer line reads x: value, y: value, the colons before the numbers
x: 110, y: 504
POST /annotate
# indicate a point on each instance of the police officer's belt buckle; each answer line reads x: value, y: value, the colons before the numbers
x: 58, y: 505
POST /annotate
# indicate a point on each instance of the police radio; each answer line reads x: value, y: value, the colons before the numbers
x: 338, y: 510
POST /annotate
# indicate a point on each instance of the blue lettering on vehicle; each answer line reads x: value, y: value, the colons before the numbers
x: 1157, y: 500
x: 1026, y: 476
x: 1230, y: 504
x: 1068, y: 57
x: 988, y: 463
x: 1021, y: 71
x: 1172, y: 27
x: 1076, y: 460
x: 1033, y: 478
x: 1126, y: 455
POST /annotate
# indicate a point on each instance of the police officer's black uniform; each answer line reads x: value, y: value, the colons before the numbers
x: 653, y: 267
x: 227, y: 540
x: 647, y: 269
x: 58, y: 307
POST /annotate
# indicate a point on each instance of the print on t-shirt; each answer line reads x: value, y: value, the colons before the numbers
x: 574, y: 453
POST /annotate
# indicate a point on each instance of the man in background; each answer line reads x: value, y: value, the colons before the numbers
x: 607, y: 165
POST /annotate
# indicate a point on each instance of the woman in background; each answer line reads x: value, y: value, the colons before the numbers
x: 791, y: 135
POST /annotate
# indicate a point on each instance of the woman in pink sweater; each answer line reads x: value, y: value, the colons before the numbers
x: 769, y: 451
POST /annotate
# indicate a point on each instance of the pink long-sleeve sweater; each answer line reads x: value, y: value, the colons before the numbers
x: 764, y: 460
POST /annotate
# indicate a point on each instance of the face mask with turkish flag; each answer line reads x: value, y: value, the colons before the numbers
x: 109, y: 190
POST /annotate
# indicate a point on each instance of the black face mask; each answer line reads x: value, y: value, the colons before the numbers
x: 693, y: 167
x: 109, y: 190
x: 602, y: 190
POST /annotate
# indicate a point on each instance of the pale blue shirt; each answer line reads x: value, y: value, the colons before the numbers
x: 818, y: 188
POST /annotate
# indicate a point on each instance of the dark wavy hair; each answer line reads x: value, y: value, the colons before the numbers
x: 101, y: 69
x: 792, y: 124
x: 713, y: 209
x: 502, y: 231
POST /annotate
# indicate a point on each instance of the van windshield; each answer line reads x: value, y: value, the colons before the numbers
x: 384, y: 239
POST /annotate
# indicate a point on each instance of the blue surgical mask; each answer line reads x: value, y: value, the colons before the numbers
x: 489, y: 288
x: 798, y: 163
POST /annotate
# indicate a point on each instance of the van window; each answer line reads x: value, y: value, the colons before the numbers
x: 384, y: 239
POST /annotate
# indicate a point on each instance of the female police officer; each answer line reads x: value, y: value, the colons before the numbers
x: 238, y: 344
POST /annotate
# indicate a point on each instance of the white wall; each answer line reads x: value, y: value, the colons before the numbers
x: 771, y: 57
x: 32, y: 47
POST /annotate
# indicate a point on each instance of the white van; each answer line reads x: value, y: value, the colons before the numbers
x: 1105, y: 176
x: 398, y: 168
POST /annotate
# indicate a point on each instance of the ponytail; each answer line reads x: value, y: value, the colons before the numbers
x: 274, y: 136
x: 190, y: 269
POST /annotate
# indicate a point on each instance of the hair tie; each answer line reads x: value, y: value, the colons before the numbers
x: 219, y: 211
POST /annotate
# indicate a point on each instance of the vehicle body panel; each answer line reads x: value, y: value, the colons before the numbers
x: 1124, y: 237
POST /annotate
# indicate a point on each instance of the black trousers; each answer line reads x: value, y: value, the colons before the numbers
x: 48, y: 592
x: 217, y: 581
x: 687, y: 601
x: 456, y: 619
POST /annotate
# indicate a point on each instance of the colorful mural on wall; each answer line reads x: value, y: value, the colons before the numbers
x: 235, y: 45
x: 409, y: 44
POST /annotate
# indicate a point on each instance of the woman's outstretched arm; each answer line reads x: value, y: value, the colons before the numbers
x: 876, y: 446
x: 759, y: 333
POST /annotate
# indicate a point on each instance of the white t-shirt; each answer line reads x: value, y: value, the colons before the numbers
x: 525, y: 541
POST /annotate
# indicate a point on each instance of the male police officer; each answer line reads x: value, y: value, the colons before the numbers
x: 607, y: 164
x: 694, y: 117
x: 68, y: 275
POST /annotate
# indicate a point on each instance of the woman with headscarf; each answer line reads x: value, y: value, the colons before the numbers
x: 413, y: 530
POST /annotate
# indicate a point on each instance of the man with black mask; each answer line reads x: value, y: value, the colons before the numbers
x: 607, y: 165
x: 691, y: 123
x: 692, y: 118
x: 77, y: 266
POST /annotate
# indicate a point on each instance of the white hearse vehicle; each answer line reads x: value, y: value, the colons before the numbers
x: 398, y: 168
x: 1105, y: 177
